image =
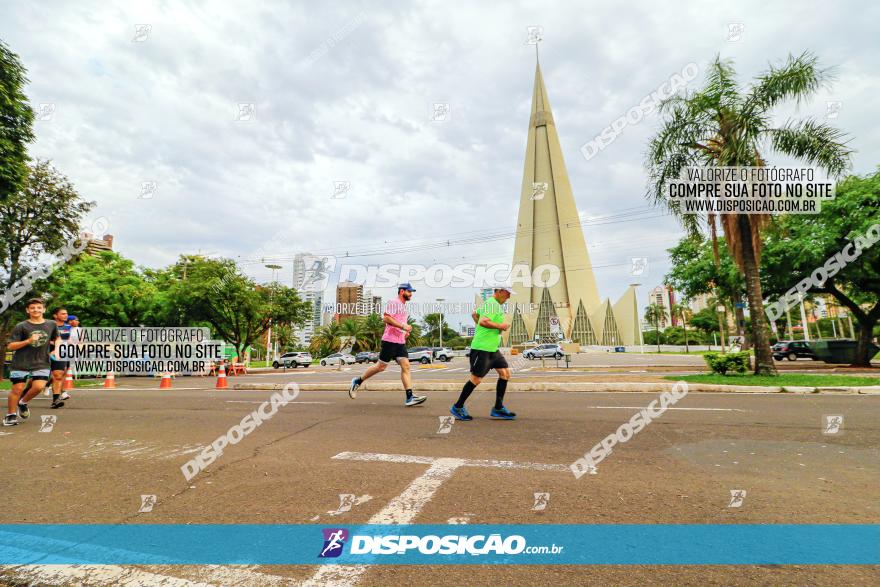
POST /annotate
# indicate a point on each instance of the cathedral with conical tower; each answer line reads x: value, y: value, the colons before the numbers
x: 549, y: 232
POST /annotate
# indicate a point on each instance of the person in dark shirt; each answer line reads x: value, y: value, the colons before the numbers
x: 32, y: 342
x: 59, y: 368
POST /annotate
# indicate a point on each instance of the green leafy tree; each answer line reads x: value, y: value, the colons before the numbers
x: 239, y: 311
x: 722, y: 125
x: 801, y: 244
x: 283, y: 333
x: 104, y: 290
x: 655, y: 313
x: 36, y: 222
x: 432, y: 330
x: 16, y: 124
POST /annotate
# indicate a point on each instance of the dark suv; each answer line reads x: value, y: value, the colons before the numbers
x: 367, y: 357
x: 793, y: 350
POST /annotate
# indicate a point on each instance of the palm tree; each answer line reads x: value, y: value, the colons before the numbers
x: 415, y: 335
x: 655, y: 313
x: 722, y: 126
x: 683, y: 311
x: 716, y: 302
x: 325, y: 340
x: 352, y: 331
x: 373, y: 328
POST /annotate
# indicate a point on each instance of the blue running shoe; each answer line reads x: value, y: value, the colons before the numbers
x: 502, y: 414
x: 460, y: 413
x: 353, y: 388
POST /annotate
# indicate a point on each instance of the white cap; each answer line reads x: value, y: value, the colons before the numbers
x: 504, y: 287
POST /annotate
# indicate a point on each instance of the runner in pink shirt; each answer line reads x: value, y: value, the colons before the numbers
x: 394, y: 345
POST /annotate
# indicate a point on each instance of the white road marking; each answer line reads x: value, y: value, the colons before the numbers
x: 174, y: 388
x: 683, y: 409
x: 405, y: 507
x: 245, y: 401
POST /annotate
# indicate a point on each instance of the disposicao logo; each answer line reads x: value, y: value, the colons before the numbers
x: 334, y: 540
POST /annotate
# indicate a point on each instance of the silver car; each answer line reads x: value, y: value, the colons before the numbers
x: 337, y: 359
x: 544, y: 351
x: 421, y: 354
x: 293, y: 360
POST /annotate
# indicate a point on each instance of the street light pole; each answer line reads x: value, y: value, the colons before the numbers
x: 440, y: 301
x: 270, y: 356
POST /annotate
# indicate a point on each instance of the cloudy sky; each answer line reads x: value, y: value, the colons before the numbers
x: 344, y: 92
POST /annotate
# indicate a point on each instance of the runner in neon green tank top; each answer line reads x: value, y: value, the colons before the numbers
x: 486, y: 356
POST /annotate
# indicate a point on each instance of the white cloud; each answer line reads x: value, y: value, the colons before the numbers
x: 163, y: 110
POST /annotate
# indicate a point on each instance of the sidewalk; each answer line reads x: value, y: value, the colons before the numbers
x: 579, y: 386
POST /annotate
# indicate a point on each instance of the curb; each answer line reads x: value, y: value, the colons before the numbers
x: 635, y: 387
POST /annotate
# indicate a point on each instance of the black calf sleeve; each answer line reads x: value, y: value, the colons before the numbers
x: 465, y: 393
x: 500, y: 388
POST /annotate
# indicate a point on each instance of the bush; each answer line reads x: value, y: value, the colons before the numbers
x: 722, y: 363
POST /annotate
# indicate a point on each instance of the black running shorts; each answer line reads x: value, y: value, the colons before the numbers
x: 484, y: 361
x: 58, y: 365
x: 392, y: 351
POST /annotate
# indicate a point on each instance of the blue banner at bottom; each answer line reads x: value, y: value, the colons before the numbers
x: 611, y: 544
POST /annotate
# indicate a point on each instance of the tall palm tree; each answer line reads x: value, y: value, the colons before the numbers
x: 326, y: 340
x: 655, y: 313
x: 683, y: 311
x: 722, y: 125
x: 415, y: 335
x: 715, y: 302
x: 352, y: 331
x: 373, y: 327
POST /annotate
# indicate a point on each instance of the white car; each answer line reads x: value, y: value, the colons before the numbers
x: 443, y: 353
x: 544, y: 350
x: 421, y: 354
x: 337, y: 359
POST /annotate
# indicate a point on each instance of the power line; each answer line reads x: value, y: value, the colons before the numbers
x: 481, y: 238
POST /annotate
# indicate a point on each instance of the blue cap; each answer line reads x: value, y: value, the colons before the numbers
x: 71, y: 318
x: 407, y: 286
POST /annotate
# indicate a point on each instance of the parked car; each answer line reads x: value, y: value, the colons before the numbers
x: 442, y: 353
x: 292, y: 360
x: 422, y: 354
x: 544, y: 351
x: 793, y: 350
x: 337, y: 359
x: 367, y: 357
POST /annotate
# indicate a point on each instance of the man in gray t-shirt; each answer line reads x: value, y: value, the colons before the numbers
x: 32, y: 342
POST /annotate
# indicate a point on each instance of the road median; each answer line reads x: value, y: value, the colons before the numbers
x: 598, y: 387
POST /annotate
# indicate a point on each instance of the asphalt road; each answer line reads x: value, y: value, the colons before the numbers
x: 109, y: 447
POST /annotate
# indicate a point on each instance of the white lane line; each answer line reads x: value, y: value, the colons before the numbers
x: 387, y: 458
x: 682, y: 409
x: 245, y: 401
x: 405, y: 507
x: 173, y: 388
x: 400, y: 510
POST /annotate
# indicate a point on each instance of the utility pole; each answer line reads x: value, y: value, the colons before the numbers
x: 270, y: 356
x: 440, y: 302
